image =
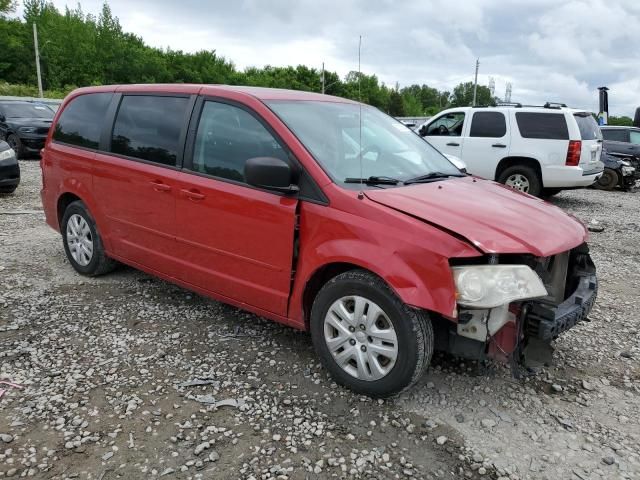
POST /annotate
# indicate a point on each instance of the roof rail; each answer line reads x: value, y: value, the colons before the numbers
x: 554, y: 105
x: 509, y: 104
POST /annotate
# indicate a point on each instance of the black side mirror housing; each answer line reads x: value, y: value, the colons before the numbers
x: 270, y: 173
x: 422, y: 131
x: 2, y: 118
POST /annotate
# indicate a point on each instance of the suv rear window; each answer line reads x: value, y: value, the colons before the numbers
x: 148, y: 127
x: 589, y: 129
x: 552, y: 126
x: 82, y: 120
x: 615, y: 134
x: 488, y: 124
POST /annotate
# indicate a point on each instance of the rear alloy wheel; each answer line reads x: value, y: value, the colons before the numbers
x: 608, y: 180
x: 522, y: 178
x: 367, y: 338
x: 82, y: 242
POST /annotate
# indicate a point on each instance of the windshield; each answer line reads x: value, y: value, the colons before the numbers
x: 332, y: 133
x: 26, y: 110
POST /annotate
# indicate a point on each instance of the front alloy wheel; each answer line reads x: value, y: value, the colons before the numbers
x: 519, y: 182
x: 366, y: 337
x: 361, y: 338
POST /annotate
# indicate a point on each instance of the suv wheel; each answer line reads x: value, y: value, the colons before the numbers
x: 367, y: 338
x: 608, y: 180
x: 82, y: 242
x: 522, y: 178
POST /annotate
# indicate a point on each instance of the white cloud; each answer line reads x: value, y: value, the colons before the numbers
x: 548, y: 50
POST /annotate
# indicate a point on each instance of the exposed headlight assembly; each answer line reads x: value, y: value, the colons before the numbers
x: 489, y: 286
x: 7, y: 154
x: 27, y: 129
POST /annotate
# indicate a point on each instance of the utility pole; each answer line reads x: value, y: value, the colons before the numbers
x: 35, y: 42
x: 323, y: 78
x: 475, y: 83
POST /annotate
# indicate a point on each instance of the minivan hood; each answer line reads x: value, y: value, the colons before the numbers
x: 490, y: 216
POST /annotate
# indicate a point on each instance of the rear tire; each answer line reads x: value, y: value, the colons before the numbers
x: 608, y: 180
x: 522, y: 178
x: 82, y: 242
x: 379, y: 355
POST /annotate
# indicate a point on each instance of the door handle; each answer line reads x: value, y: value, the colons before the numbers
x: 453, y: 144
x: 499, y: 145
x: 192, y: 194
x: 158, y: 186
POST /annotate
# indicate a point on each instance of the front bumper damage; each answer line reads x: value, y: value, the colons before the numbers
x: 521, y: 333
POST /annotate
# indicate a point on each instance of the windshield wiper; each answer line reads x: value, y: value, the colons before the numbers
x: 430, y: 176
x: 373, y: 180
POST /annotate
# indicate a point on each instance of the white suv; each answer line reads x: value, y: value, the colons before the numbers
x: 538, y: 150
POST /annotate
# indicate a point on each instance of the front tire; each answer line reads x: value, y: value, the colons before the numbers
x: 608, y: 180
x: 368, y: 339
x: 522, y: 178
x: 82, y: 242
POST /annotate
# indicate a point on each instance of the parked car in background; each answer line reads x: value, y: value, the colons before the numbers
x: 623, y: 142
x: 9, y: 169
x: 24, y: 125
x: 257, y: 197
x: 537, y: 150
x: 618, y: 172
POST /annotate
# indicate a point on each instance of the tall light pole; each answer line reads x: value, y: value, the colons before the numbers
x: 35, y: 42
x: 475, y: 83
x: 323, y: 78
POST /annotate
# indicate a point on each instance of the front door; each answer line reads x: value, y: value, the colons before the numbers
x: 233, y: 239
x: 445, y: 133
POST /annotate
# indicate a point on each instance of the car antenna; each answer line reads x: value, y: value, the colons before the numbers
x: 361, y: 192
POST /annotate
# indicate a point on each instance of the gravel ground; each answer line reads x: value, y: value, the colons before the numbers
x: 127, y: 376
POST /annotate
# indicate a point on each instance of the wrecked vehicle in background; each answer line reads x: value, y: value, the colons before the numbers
x: 618, y: 172
x: 320, y: 213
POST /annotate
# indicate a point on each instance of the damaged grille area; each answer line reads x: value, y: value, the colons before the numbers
x: 571, y: 282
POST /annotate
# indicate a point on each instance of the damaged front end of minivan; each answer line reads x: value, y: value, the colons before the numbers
x: 511, y: 307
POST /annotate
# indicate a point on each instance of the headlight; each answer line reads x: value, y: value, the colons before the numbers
x: 624, y: 163
x: 489, y: 286
x: 27, y: 129
x: 7, y: 154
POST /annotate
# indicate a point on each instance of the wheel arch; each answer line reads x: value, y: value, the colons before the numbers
x: 512, y: 161
x: 64, y: 201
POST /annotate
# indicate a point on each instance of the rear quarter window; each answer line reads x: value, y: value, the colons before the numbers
x: 82, y: 120
x: 542, y: 125
x: 589, y: 129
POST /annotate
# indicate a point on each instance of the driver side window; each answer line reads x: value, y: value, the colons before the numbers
x: 449, y: 125
x: 227, y: 137
x: 634, y: 137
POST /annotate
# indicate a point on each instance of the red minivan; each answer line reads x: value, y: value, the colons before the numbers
x: 320, y: 213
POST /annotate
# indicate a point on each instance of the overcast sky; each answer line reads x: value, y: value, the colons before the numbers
x: 555, y: 50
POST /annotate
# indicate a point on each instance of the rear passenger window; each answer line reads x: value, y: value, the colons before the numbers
x: 634, y: 137
x: 149, y: 127
x: 552, y: 126
x: 488, y: 124
x: 615, y: 135
x: 82, y: 120
x: 227, y: 137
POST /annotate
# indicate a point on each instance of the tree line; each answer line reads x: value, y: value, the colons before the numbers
x: 78, y: 49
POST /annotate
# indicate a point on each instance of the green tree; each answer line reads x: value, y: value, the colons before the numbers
x: 7, y: 6
x: 623, y: 121
x: 462, y: 95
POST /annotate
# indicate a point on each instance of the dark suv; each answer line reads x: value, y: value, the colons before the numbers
x: 24, y: 125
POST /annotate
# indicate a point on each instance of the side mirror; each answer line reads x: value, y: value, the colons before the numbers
x: 422, y: 131
x: 269, y: 173
x: 2, y: 118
